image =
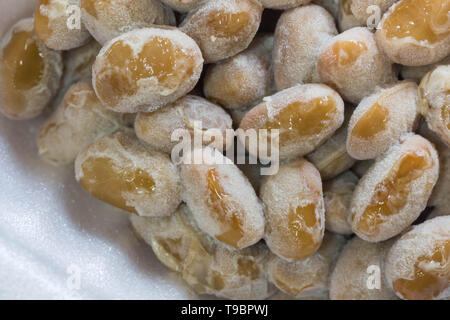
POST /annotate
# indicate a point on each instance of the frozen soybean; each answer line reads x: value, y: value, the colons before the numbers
x: 121, y: 171
x: 295, y: 212
x: 223, y: 28
x: 395, y: 190
x: 145, y: 69
x: 29, y: 72
x: 222, y: 200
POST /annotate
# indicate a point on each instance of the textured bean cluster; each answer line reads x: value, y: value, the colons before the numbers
x: 363, y: 116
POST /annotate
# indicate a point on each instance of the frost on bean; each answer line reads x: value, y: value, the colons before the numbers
x: 78, y: 120
x: 418, y: 265
x: 395, y: 190
x: 29, y: 72
x: 372, y: 123
x: 294, y: 210
x: 416, y: 32
x: 439, y: 201
x: 223, y: 28
x: 222, y: 200
x: 308, y: 277
x: 52, y: 21
x: 207, y: 267
x: 21, y: 55
x: 119, y: 170
x: 297, y: 45
x: 344, y: 53
x: 353, y: 64
x: 77, y: 65
x: 381, y: 119
x: 107, y: 19
x: 337, y: 194
x: 434, y: 92
x: 303, y: 118
x: 423, y: 20
x: 346, y: 19
x: 224, y: 214
x: 367, y: 11
x: 305, y: 115
x: 145, y: 69
x: 241, y: 80
x: 359, y: 270
x: 156, y: 128
x: 390, y: 194
x: 332, y: 158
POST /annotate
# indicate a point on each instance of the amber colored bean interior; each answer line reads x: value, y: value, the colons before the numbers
x: 303, y: 118
x: 106, y: 181
x: 24, y: 66
x: 391, y: 195
x: 23, y: 61
x: 159, y: 59
x: 226, y: 210
x: 94, y: 6
x: 345, y: 53
x: 227, y: 24
x: 423, y: 20
x: 41, y: 22
x: 431, y: 275
x: 301, y: 222
x: 372, y: 122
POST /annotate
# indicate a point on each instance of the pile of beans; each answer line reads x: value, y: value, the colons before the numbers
x: 363, y: 116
